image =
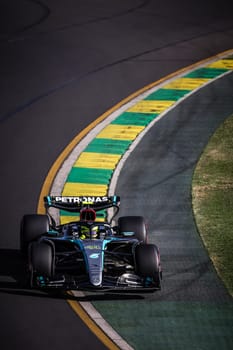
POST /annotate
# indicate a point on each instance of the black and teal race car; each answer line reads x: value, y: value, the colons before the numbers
x: 88, y: 254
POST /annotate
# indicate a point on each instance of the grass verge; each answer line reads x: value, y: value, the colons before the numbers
x: 212, y: 192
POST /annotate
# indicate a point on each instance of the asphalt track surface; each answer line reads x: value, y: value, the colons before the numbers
x: 63, y: 65
x: 161, y: 191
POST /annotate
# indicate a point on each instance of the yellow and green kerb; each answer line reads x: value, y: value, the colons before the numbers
x: 92, y: 171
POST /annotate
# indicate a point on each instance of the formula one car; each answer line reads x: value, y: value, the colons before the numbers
x: 88, y: 254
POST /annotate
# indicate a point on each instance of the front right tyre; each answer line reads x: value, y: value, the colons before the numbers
x: 147, y: 261
x: 41, y: 260
x: 32, y: 227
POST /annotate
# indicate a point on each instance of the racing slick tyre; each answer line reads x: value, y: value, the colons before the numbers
x: 134, y: 224
x: 42, y: 258
x: 32, y: 227
x: 148, y: 262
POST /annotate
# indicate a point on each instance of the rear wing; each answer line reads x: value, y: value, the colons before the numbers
x: 77, y: 203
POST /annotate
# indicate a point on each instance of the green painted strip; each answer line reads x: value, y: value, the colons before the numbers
x: 99, y: 214
x: 167, y: 94
x: 206, y: 73
x: 66, y: 213
x: 138, y: 119
x: 90, y: 175
x: 108, y: 146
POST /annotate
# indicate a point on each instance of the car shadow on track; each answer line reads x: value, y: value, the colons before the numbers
x: 13, y: 280
x: 12, y: 269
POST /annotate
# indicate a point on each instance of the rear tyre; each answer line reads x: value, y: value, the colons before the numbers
x: 41, y: 258
x: 148, y: 262
x: 134, y: 224
x: 32, y: 227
